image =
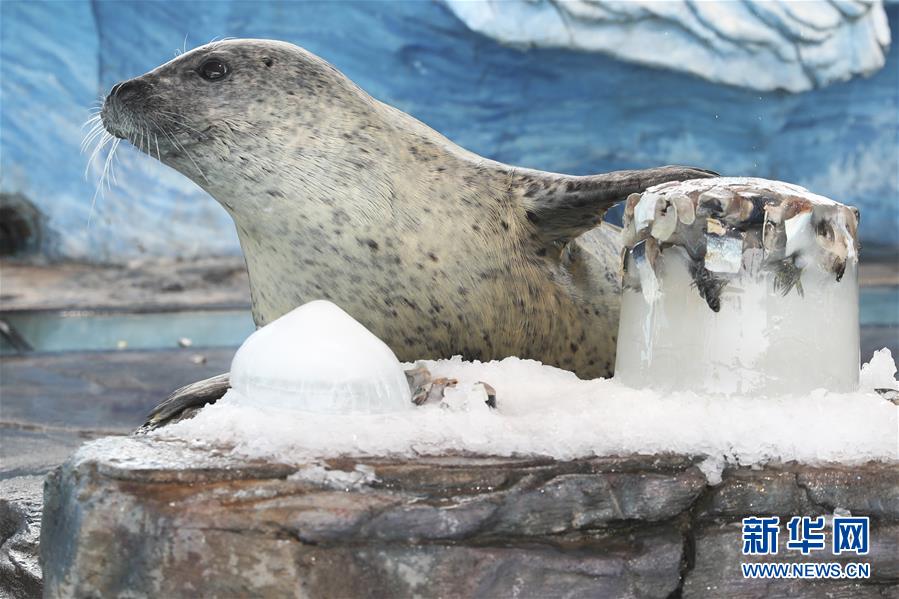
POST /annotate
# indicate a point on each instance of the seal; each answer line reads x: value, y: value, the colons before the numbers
x: 337, y: 196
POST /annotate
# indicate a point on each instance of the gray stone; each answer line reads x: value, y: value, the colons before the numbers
x: 767, y: 492
x: 644, y: 564
x: 20, y: 516
x: 578, y: 501
x: 873, y: 492
x: 27, y: 453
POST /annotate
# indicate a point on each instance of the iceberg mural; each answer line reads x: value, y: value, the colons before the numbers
x: 552, y: 108
x: 759, y: 44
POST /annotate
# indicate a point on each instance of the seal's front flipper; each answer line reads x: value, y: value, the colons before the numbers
x: 188, y: 398
x: 562, y: 207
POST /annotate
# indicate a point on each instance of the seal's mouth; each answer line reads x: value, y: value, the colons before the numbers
x: 114, y: 126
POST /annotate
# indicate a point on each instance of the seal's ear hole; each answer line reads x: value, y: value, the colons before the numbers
x: 268, y: 61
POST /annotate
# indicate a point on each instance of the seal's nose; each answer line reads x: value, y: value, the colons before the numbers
x: 127, y: 89
x: 122, y: 104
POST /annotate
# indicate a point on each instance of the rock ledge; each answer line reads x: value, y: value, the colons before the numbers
x: 146, y: 517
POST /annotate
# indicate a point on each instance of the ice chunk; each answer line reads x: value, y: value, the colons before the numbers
x: 798, y: 233
x: 644, y: 257
x: 466, y: 399
x: 713, y: 467
x: 880, y: 372
x: 644, y: 212
x: 757, y: 294
x: 319, y: 359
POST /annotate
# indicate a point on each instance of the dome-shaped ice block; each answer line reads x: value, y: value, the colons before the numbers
x: 319, y: 359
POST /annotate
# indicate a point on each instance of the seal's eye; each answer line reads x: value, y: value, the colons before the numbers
x: 213, y: 69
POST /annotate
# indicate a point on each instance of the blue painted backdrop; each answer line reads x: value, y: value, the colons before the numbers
x: 549, y: 109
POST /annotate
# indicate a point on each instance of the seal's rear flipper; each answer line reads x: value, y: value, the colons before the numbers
x: 562, y: 207
x: 189, y: 397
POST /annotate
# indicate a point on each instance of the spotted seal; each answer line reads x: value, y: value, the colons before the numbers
x: 338, y: 196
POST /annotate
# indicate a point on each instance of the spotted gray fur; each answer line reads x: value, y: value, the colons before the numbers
x: 337, y: 196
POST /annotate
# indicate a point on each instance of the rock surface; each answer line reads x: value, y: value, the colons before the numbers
x: 158, y: 518
x: 20, y: 517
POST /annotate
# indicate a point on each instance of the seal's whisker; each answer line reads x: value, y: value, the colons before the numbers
x: 197, y: 166
x: 92, y: 120
x: 100, y: 143
x: 91, y: 136
x: 186, y: 153
x: 156, y: 127
x: 95, y: 127
x: 145, y: 140
x: 112, y: 156
x: 93, y: 130
x: 112, y: 165
x: 102, y: 178
x: 96, y: 124
x: 103, y: 174
x: 183, y: 48
x: 185, y: 126
x: 148, y: 141
x: 104, y: 140
x: 170, y: 116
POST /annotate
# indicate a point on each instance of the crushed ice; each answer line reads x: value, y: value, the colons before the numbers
x: 880, y: 372
x: 550, y: 412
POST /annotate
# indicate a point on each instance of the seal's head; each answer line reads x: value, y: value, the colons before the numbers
x: 233, y: 103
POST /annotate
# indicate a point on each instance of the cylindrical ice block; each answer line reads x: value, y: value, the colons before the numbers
x: 738, y: 285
